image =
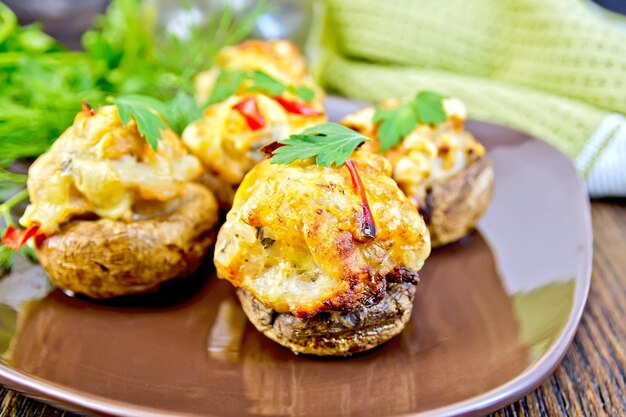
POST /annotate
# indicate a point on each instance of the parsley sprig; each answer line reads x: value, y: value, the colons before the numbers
x: 152, y: 115
x: 229, y: 82
x: 147, y: 112
x: 329, y: 143
x: 395, y: 124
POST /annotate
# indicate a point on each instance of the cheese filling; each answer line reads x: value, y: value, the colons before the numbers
x: 98, y: 167
x: 428, y: 154
x: 294, y: 236
x: 226, y: 144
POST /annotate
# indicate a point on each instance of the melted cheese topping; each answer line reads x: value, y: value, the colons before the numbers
x: 100, y: 167
x: 428, y: 154
x: 224, y: 142
x: 281, y: 59
x: 293, y: 237
x: 228, y: 147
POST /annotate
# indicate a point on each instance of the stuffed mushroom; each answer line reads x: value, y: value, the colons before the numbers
x: 325, y: 259
x: 441, y: 167
x: 280, y: 59
x: 259, y: 92
x: 109, y: 215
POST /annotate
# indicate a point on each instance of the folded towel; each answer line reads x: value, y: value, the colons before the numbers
x: 555, y: 69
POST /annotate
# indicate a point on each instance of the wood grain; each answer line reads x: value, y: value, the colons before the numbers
x: 591, y: 380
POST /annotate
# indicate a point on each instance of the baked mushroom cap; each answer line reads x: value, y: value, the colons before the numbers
x: 108, y: 258
x: 453, y: 207
x: 119, y: 216
x: 335, y: 333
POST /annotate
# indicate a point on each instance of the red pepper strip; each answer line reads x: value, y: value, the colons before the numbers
x: 16, y: 238
x: 39, y: 239
x: 297, y: 108
x: 268, y: 150
x: 250, y: 111
x: 368, y: 227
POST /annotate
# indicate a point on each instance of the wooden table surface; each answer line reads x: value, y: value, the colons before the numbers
x: 591, y: 380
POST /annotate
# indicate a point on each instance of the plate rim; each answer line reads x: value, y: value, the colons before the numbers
x: 511, y: 391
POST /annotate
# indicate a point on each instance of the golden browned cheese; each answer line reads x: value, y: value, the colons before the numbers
x: 280, y: 59
x: 294, y: 237
x: 101, y: 168
x: 228, y: 147
x: 427, y: 155
x: 222, y: 139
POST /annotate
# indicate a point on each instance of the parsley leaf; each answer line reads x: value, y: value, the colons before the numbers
x: 330, y: 143
x: 183, y: 110
x: 428, y: 107
x: 229, y: 82
x: 148, y: 114
x: 6, y: 258
x: 395, y: 124
x: 226, y: 85
x: 266, y: 84
x: 305, y: 93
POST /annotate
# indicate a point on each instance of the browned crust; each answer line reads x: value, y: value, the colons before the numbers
x: 455, y: 206
x: 104, y: 258
x: 335, y: 333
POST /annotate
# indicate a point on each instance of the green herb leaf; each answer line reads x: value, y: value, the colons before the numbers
x: 8, y: 22
x: 266, y: 84
x: 428, y: 106
x: 6, y: 253
x: 10, y: 182
x: 226, y: 85
x: 330, y: 143
x: 11, y: 178
x: 229, y: 82
x: 29, y: 253
x: 183, y: 110
x: 305, y: 93
x: 147, y: 112
x: 6, y: 257
x: 395, y: 124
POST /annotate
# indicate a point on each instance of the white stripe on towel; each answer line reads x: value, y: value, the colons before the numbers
x: 606, y: 129
x: 607, y: 178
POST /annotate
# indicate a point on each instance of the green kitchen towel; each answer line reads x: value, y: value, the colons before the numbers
x: 553, y: 68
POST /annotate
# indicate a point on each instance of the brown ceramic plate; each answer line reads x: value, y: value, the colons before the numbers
x: 494, y: 315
